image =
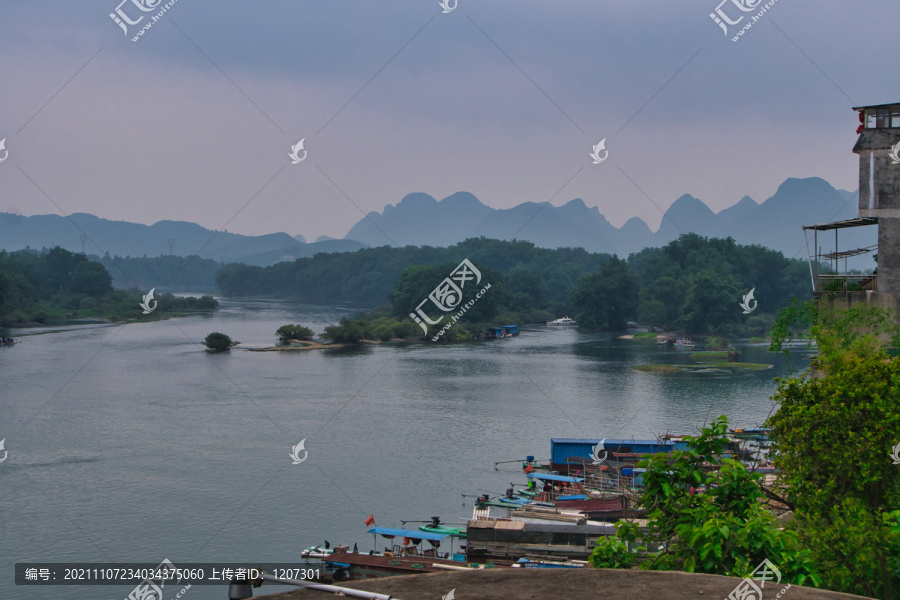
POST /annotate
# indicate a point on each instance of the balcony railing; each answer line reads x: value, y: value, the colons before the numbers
x: 847, y: 283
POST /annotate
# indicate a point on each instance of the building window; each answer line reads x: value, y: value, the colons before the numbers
x: 883, y: 118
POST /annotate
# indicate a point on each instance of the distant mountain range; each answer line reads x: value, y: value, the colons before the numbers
x: 121, y: 238
x: 419, y: 220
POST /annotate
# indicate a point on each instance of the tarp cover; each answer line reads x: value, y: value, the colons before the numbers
x: 549, y: 477
x: 419, y: 535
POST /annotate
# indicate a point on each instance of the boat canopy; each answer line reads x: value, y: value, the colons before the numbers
x: 550, y: 477
x: 419, y: 535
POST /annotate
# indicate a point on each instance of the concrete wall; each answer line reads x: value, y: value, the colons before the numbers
x: 889, y: 254
x: 879, y: 178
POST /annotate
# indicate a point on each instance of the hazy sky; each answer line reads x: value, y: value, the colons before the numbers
x: 503, y: 99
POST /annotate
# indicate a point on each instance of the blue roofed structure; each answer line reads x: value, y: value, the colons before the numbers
x: 561, y: 449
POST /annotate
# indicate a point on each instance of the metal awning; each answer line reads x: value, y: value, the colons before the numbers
x: 419, y: 535
x: 857, y: 222
x: 550, y: 477
x: 849, y: 253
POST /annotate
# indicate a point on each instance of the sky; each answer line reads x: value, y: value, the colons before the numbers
x: 196, y: 119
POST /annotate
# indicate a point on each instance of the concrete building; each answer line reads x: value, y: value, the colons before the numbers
x: 878, y: 148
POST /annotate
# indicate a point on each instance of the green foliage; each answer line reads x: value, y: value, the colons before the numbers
x: 704, y: 513
x: 218, y: 342
x: 611, y: 553
x: 58, y: 284
x: 862, y: 328
x: 176, y: 273
x: 607, y: 298
x: 91, y: 279
x: 834, y: 430
x: 709, y: 303
x: 693, y: 284
x: 416, y: 283
x: 760, y: 324
x: 347, y: 331
x: 717, y: 343
x: 294, y: 332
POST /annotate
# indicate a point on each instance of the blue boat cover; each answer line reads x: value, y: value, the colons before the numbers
x: 582, y: 497
x: 419, y: 535
x: 549, y: 477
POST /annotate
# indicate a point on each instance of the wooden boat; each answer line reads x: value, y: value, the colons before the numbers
x: 502, y: 540
x: 592, y: 504
x: 529, y: 563
x: 355, y: 567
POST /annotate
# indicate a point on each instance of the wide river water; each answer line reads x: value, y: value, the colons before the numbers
x: 129, y: 443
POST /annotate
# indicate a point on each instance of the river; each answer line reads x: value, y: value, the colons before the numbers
x: 129, y: 443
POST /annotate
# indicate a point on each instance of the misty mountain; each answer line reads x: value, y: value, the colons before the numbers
x: 419, y: 219
x: 179, y: 238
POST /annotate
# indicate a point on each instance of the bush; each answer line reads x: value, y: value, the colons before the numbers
x: 383, y: 332
x: 291, y: 332
x: 407, y: 329
x: 610, y: 553
x: 348, y: 331
x: 218, y: 342
x: 207, y: 301
x: 717, y: 343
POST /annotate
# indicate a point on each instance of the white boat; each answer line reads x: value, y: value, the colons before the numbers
x: 563, y: 322
x: 684, y: 342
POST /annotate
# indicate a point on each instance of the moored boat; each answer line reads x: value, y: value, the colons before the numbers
x: 562, y: 322
x: 454, y: 531
x: 496, y: 333
x: 528, y: 563
x: 355, y: 567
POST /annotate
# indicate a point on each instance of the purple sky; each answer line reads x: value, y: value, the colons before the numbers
x: 502, y: 99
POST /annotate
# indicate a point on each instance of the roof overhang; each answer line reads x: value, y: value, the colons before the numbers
x: 876, y: 106
x: 857, y: 222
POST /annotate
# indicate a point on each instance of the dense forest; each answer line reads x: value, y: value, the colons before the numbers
x: 175, y: 273
x: 694, y: 284
x: 38, y: 287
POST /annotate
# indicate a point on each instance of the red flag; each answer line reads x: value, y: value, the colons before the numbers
x: 529, y: 469
x: 370, y: 521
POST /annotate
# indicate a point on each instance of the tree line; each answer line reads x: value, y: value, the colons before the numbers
x: 38, y: 286
x: 694, y: 284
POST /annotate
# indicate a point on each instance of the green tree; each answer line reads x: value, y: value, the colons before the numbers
x: 347, y: 331
x: 607, y: 298
x: 653, y: 313
x: 834, y: 430
x: 710, y: 305
x: 218, y: 342
x: 294, y: 332
x: 91, y: 279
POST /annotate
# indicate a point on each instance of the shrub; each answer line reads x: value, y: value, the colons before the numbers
x: 717, y: 343
x: 218, y: 342
x: 292, y: 332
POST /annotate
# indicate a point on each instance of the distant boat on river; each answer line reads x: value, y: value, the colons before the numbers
x: 562, y: 322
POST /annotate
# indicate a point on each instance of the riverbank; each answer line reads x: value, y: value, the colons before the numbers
x: 572, y: 584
